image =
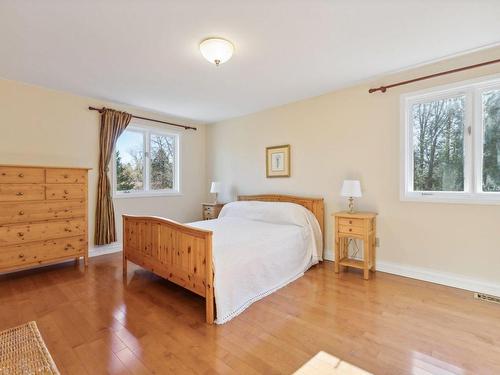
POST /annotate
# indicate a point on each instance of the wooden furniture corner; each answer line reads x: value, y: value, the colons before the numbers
x: 352, y: 226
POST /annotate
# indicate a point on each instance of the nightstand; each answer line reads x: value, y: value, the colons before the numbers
x: 348, y: 227
x: 211, y: 210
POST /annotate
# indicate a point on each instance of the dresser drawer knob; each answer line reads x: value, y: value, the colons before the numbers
x: 21, y: 175
x: 20, y: 234
x: 66, y: 192
x: 65, y: 176
x: 21, y: 213
x: 350, y: 229
x: 67, y: 230
x: 350, y: 221
x: 19, y: 193
x: 21, y: 255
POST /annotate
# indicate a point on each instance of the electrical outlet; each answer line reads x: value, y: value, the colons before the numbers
x: 377, y: 242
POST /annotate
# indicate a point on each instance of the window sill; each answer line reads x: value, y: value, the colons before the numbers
x: 477, y: 199
x: 147, y: 195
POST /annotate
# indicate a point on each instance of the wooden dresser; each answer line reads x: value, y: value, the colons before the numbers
x: 43, y: 216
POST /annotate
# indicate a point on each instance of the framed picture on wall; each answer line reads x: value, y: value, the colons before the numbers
x: 278, y: 161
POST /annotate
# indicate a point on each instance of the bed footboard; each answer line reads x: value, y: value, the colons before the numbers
x: 176, y: 252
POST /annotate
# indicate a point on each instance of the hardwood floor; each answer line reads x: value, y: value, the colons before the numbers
x: 94, y: 323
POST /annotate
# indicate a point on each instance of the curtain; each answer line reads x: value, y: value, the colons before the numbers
x: 113, y: 123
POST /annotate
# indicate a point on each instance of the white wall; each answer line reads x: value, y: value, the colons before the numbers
x: 45, y: 127
x: 350, y: 134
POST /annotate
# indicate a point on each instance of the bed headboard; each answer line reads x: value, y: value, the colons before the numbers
x: 315, y: 205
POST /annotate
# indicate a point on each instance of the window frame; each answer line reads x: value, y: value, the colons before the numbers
x: 147, y: 131
x: 473, y: 142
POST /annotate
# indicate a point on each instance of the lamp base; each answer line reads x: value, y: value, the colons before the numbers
x: 351, y: 205
x: 215, y: 202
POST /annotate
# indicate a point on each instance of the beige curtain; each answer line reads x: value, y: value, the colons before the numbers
x: 113, y: 123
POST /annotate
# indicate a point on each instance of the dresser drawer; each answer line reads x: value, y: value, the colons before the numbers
x: 18, y: 212
x: 42, y: 251
x: 66, y: 176
x: 21, y: 233
x: 352, y: 222
x: 351, y: 229
x: 24, y: 192
x: 65, y: 191
x: 21, y: 175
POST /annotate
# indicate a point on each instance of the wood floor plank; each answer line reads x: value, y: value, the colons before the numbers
x: 95, y: 323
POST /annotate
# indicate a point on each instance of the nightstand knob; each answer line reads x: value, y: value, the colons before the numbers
x: 350, y: 229
x: 350, y: 221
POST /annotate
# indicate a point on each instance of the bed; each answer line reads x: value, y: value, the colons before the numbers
x: 259, y: 244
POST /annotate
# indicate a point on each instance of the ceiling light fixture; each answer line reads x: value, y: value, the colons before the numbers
x: 216, y: 50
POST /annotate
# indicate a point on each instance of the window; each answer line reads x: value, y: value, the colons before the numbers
x: 146, y: 163
x: 451, y: 143
x: 491, y: 140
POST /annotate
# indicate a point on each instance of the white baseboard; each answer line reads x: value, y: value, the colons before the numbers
x: 114, y: 247
x: 328, y: 255
x: 433, y: 276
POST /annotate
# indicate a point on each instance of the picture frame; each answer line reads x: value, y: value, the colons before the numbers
x: 278, y: 161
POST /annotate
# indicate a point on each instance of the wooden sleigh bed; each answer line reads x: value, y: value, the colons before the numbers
x: 181, y: 253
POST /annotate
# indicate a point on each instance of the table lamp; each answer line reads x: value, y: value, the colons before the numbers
x: 351, y: 189
x: 215, y: 188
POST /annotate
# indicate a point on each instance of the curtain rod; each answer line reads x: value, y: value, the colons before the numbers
x: 384, y: 88
x: 100, y: 110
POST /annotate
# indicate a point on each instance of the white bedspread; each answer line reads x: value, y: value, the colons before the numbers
x: 259, y: 247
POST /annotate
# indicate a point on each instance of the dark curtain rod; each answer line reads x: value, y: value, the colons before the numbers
x: 384, y: 88
x: 100, y: 110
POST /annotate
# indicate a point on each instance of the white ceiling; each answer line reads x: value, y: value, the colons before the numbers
x: 145, y: 52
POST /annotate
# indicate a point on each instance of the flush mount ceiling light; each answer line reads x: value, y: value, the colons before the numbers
x: 216, y: 50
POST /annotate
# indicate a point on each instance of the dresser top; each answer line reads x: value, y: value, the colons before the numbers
x: 355, y: 215
x: 43, y: 166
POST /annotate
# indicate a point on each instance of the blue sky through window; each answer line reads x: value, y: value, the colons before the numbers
x: 129, y: 141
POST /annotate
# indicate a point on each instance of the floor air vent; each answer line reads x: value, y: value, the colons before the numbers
x: 487, y: 298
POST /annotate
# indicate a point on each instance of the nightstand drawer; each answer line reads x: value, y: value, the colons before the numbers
x: 352, y: 222
x: 211, y: 210
x: 347, y: 229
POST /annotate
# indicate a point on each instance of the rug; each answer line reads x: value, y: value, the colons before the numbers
x: 326, y: 364
x: 23, y: 352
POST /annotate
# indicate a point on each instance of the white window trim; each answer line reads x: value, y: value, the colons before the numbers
x: 473, y: 143
x: 148, y: 131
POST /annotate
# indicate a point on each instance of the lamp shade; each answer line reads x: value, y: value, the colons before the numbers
x: 215, y: 187
x: 351, y: 188
x: 216, y: 50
